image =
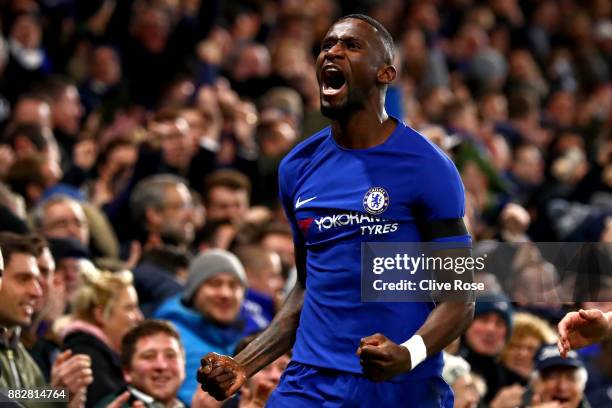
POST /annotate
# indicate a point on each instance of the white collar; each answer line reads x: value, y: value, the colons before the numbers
x: 150, y: 401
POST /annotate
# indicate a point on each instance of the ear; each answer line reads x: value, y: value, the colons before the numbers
x: 126, y: 376
x: 23, y: 146
x: 33, y: 192
x: 99, y: 315
x: 153, y: 217
x: 386, y: 75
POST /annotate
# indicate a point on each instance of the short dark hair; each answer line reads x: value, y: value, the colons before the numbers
x: 207, y: 234
x: 276, y: 227
x: 25, y: 172
x: 33, y: 132
x: 54, y: 86
x: 114, y: 144
x: 230, y: 179
x: 146, y: 328
x: 38, y: 242
x: 383, y: 33
x: 11, y: 244
x: 521, y: 104
x: 253, y: 257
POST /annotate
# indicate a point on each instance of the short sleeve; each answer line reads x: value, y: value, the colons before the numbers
x: 442, y: 201
x: 286, y: 198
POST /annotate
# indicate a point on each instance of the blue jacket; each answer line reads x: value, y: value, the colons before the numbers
x: 154, y: 285
x: 199, y: 337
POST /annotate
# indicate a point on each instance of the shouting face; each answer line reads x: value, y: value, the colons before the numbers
x: 353, y: 64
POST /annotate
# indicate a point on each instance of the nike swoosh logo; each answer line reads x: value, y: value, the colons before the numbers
x: 299, y: 203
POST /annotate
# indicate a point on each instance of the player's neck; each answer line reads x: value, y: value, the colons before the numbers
x: 363, y: 129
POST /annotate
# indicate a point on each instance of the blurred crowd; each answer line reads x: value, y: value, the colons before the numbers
x: 139, y: 146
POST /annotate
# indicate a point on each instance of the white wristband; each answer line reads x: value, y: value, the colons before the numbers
x: 417, y: 349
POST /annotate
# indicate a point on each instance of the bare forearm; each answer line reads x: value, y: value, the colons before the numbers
x: 278, y: 338
x: 445, y: 323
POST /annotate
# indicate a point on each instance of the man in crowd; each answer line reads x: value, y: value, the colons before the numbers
x: 62, y: 217
x: 485, y: 339
x: 263, y: 270
x: 209, y: 313
x: 67, y: 253
x: 227, y: 195
x: 19, y: 295
x: 558, y: 379
x: 66, y: 113
x: 3, y: 398
x: 38, y: 338
x: 163, y: 205
x: 153, y: 361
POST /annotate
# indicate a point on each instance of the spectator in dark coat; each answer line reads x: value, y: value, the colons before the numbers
x: 105, y: 308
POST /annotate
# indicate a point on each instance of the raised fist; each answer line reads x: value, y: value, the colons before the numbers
x: 221, y: 376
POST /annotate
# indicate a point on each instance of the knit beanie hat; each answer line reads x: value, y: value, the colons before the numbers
x: 206, y: 266
x: 495, y: 303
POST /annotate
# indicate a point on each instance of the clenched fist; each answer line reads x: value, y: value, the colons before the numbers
x: 221, y: 376
x: 381, y: 358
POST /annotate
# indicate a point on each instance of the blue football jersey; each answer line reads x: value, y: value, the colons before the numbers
x: 337, y: 198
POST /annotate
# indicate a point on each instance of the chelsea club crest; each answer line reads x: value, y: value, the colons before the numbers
x: 376, y: 200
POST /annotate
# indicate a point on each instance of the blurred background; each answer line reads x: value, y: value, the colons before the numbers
x: 138, y: 134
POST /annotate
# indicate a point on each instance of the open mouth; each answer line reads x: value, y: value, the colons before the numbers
x: 161, y: 380
x: 332, y: 80
x: 561, y: 400
x: 28, y: 308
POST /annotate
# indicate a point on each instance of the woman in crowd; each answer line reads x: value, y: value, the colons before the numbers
x: 528, y: 334
x: 105, y: 307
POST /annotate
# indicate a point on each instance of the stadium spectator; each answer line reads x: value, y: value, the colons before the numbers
x: 66, y: 114
x: 162, y: 206
x: 68, y: 254
x: 517, y: 93
x: 105, y: 87
x: 115, y: 167
x: 277, y: 237
x: 209, y: 313
x: 529, y: 333
x: 33, y: 177
x: 558, y: 379
x: 457, y: 374
x: 160, y: 274
x: 171, y: 132
x: 153, y: 363
x: 30, y: 139
x: 32, y: 108
x: 12, y: 211
x: 227, y: 195
x: 105, y: 307
x: 485, y: 339
x: 39, y: 338
x: 19, y: 296
x: 62, y: 217
x: 3, y: 398
x: 265, y: 280
x: 219, y: 233
x: 28, y: 61
x: 598, y: 364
